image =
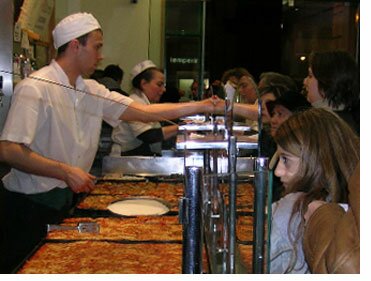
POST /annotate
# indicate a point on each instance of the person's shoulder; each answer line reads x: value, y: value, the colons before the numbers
x: 137, y: 97
x: 97, y: 89
x: 282, y: 211
x: 286, y: 203
x: 38, y: 79
x: 92, y: 82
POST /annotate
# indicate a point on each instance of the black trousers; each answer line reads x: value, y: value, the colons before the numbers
x: 23, y: 226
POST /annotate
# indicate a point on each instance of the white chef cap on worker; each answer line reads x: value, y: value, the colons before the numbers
x: 72, y: 27
x: 140, y: 67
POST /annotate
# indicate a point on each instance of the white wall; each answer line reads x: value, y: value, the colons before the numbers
x: 132, y: 32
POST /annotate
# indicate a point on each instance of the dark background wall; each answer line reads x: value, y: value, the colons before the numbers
x: 243, y: 33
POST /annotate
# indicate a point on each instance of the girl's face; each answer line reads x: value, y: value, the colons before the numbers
x: 279, y: 115
x: 288, y: 166
x: 154, y: 88
x: 311, y: 86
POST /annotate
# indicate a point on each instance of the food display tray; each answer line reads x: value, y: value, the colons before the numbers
x: 208, y: 127
x: 109, y: 257
x: 210, y: 141
x: 170, y: 167
x: 134, y: 243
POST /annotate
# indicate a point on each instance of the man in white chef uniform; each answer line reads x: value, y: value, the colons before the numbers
x: 52, y: 132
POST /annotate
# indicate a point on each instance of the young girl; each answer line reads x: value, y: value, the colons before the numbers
x: 318, y: 153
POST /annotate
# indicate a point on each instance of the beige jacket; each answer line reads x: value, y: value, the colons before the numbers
x: 331, y: 238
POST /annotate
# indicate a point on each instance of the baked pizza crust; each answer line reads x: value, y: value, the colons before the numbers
x: 89, y: 257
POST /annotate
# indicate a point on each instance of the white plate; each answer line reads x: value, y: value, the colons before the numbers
x: 138, y: 207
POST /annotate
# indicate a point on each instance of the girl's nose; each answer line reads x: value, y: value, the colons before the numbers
x: 279, y: 171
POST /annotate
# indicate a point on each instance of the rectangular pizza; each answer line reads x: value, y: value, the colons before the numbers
x: 89, y: 257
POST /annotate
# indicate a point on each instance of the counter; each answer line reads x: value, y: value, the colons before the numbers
x: 148, y: 244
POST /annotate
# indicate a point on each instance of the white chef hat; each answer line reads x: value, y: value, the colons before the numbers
x: 73, y: 26
x: 140, y: 67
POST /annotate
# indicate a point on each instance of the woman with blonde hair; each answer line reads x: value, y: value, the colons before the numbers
x: 318, y: 153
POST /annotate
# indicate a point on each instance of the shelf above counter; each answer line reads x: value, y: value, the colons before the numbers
x: 210, y: 141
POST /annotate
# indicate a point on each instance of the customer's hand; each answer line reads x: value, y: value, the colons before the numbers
x: 214, y: 105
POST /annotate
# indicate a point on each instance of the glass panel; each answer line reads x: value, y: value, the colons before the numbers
x: 182, y: 56
x: 317, y: 26
x: 183, y: 17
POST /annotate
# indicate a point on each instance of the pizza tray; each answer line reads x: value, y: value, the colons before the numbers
x: 100, y: 202
x: 77, y: 254
x: 155, y: 206
x: 93, y: 213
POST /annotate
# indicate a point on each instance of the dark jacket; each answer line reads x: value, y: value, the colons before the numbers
x: 331, y: 238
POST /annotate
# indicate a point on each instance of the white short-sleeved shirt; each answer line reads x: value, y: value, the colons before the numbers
x: 59, y: 123
x: 126, y: 133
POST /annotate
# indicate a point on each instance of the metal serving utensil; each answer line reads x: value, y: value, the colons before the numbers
x: 82, y: 227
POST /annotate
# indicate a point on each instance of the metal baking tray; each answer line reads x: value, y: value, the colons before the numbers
x: 212, y: 141
x: 210, y: 127
x: 150, y: 166
x: 66, y: 242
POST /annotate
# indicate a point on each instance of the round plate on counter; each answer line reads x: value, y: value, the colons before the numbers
x: 139, y: 206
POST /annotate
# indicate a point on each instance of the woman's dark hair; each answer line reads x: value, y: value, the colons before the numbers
x: 147, y: 75
x: 338, y: 77
x: 237, y: 72
x: 114, y: 71
x: 276, y: 83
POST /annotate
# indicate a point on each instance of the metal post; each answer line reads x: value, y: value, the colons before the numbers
x: 260, y: 127
x: 269, y: 219
x: 6, y: 57
x: 190, y: 216
x: 201, y: 77
x: 261, y: 181
x: 207, y: 166
x: 232, y: 161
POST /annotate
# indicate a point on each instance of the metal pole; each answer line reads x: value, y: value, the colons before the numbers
x: 6, y: 57
x: 261, y: 180
x: 260, y: 127
x: 190, y: 215
x: 202, y: 57
x: 232, y: 161
x: 269, y: 218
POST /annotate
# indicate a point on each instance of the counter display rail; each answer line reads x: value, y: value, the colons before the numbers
x: 219, y: 207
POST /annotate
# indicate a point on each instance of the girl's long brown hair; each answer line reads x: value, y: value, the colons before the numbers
x: 329, y: 151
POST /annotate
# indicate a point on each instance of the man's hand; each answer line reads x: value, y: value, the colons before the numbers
x: 78, y: 180
x: 214, y: 105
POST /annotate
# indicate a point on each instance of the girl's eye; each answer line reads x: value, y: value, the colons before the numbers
x: 284, y: 159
